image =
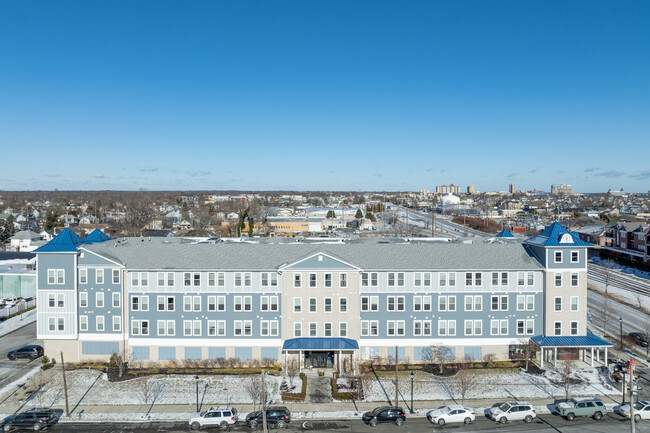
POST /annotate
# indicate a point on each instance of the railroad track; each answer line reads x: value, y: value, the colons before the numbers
x: 619, y: 280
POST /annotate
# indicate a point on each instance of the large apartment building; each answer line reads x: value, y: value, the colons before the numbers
x: 156, y: 299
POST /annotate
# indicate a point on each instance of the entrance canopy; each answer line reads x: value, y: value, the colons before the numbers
x: 324, y: 343
x: 577, y: 341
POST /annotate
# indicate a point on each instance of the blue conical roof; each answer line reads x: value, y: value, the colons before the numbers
x: 505, y: 234
x: 552, y: 236
x: 96, y: 236
x: 66, y: 241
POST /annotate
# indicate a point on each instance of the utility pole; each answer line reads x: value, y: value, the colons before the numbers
x: 407, y: 218
x: 263, y: 405
x: 433, y: 217
x: 630, y: 373
x: 65, y: 387
x: 396, y: 377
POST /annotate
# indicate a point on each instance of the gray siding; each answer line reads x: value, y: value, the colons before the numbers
x: 566, y: 258
x: 63, y: 261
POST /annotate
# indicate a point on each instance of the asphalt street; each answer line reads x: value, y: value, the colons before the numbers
x: 633, y: 319
x: 12, y: 370
x: 545, y: 423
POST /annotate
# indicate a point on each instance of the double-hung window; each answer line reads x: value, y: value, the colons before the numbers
x: 446, y: 328
x: 499, y: 302
x: 328, y: 280
x: 343, y: 305
x: 557, y: 302
x: 99, y: 299
x: 574, y: 303
x: 473, y: 327
x: 312, y: 280
x: 473, y: 303
x: 116, y: 299
x: 99, y: 276
x: 297, y: 305
x: 83, y: 276
x: 343, y: 280
x: 447, y: 303
x: 312, y: 305
x: 369, y: 303
x: 574, y: 279
x: 499, y: 327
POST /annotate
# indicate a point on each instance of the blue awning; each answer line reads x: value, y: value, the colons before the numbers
x: 320, y: 344
x: 589, y: 340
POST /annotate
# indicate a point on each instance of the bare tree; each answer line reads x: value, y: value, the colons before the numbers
x: 639, y: 301
x: 293, y: 368
x: 567, y: 378
x: 147, y: 389
x: 138, y: 213
x: 527, y: 349
x: 254, y: 389
x: 466, y: 378
x: 40, y: 381
x: 440, y: 354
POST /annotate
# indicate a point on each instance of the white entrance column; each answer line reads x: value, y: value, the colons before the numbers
x: 555, y: 360
x: 605, y: 358
x: 592, y: 356
x: 541, y: 357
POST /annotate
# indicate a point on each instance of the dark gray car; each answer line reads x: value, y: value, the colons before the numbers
x: 32, y: 419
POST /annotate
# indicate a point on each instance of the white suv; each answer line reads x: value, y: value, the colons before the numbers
x: 513, y: 411
x: 221, y: 416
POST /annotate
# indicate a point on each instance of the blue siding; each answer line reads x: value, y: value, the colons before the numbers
x: 422, y: 354
x: 56, y: 261
x: 244, y: 353
x: 270, y: 353
x: 192, y: 353
x: 217, y: 353
x: 99, y: 348
x: 473, y: 353
x: 141, y: 353
x: 452, y: 354
x: 166, y: 353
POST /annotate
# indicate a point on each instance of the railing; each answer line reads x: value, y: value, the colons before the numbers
x: 20, y: 306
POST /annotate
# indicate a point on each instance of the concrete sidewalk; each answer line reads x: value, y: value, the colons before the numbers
x: 334, y: 410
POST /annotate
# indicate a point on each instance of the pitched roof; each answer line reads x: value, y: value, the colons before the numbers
x: 26, y: 234
x: 96, y: 236
x: 66, y: 241
x: 368, y: 254
x: 556, y: 235
x: 589, y: 340
x: 504, y: 234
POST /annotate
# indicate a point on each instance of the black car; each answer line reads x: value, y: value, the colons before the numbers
x: 32, y: 352
x: 640, y: 338
x: 385, y: 414
x: 33, y: 419
x: 278, y: 416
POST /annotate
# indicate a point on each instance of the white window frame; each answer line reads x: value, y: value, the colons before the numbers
x: 577, y: 327
x: 117, y: 323
x: 83, y: 299
x: 83, y: 320
x: 99, y: 296
x: 343, y: 329
x: 100, y: 320
x: 577, y: 303
x: 577, y: 256
x: 116, y: 296
x: 343, y: 281
x: 577, y: 279
x: 555, y: 256
x: 83, y: 276
x: 555, y: 329
x: 114, y: 273
x: 297, y: 280
x: 343, y: 305
x: 315, y: 306
x: 99, y: 276
x: 555, y: 304
x: 297, y: 329
x: 298, y: 305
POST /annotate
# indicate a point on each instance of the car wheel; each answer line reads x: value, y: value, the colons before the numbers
x: 281, y: 424
x: 637, y: 418
x: 31, y: 357
x: 399, y: 422
x: 37, y: 426
x: 467, y: 420
x: 598, y: 415
x: 373, y: 422
x: 503, y: 420
x: 195, y: 426
x: 223, y: 425
x: 252, y: 424
x: 11, y: 358
x: 441, y: 421
x: 528, y: 418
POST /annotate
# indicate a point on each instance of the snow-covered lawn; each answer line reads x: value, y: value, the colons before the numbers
x: 499, y: 384
x: 164, y: 389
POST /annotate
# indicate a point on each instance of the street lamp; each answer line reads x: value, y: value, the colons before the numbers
x: 196, y: 380
x: 412, y: 375
x: 620, y: 322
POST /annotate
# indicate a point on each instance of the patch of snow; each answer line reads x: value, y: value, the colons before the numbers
x: 17, y: 322
x: 13, y: 385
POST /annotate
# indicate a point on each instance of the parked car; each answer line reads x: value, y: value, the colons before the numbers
x: 451, y: 413
x: 221, y: 416
x: 384, y: 414
x: 641, y: 410
x: 32, y: 352
x: 581, y: 406
x: 278, y: 416
x: 512, y: 411
x: 33, y: 419
x: 640, y: 338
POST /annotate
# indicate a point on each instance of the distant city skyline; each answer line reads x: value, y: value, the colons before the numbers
x: 342, y: 96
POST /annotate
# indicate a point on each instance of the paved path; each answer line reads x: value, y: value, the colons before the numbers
x: 318, y: 389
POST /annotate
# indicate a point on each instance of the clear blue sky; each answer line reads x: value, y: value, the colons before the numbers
x: 310, y: 95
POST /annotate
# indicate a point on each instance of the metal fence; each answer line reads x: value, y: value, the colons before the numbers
x: 17, y: 308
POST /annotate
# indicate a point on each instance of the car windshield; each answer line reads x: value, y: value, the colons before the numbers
x: 638, y: 406
x: 572, y: 402
x: 504, y: 407
x: 202, y: 413
x: 378, y: 409
x: 255, y: 414
x: 446, y: 409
